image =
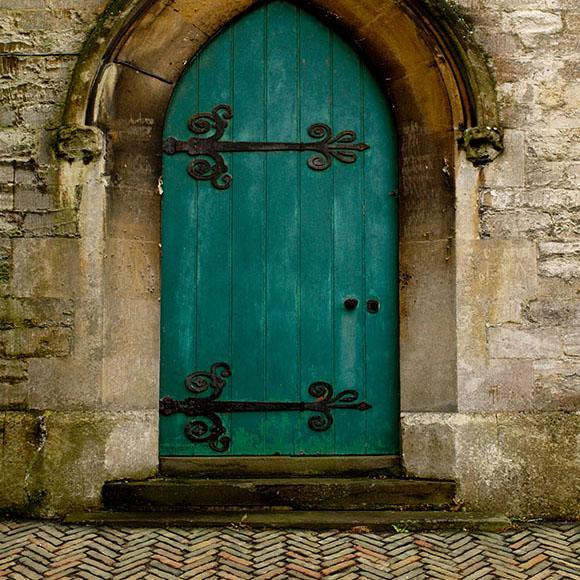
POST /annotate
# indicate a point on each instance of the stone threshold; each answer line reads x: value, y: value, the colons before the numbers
x: 359, y: 521
x: 280, y: 466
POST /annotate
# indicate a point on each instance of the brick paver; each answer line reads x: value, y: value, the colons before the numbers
x: 31, y: 550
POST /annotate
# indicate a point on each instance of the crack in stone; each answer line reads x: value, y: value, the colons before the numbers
x: 147, y: 73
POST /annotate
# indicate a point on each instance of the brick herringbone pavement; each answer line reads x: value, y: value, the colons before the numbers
x: 31, y: 550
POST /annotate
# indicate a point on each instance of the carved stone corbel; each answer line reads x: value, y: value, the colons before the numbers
x: 78, y: 143
x: 482, y: 144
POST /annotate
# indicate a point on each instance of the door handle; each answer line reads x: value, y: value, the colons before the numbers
x: 373, y: 305
x: 350, y: 303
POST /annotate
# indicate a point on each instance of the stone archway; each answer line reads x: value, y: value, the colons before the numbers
x: 442, y: 94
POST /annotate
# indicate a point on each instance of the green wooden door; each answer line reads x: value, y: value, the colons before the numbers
x: 257, y: 263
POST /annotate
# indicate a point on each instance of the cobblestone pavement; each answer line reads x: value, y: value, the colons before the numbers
x: 45, y: 550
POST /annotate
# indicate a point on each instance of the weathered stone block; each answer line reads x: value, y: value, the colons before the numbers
x: 210, y: 25
x: 418, y: 220
x: 551, y: 175
x: 535, y: 28
x: 503, y: 460
x: 550, y: 312
x: 571, y: 341
x: 45, y: 268
x: 527, y: 22
x: 427, y: 366
x: 524, y: 343
x: 131, y: 359
x: 50, y: 223
x: 560, y: 259
x: 557, y: 385
x: 70, y: 455
x: 28, y: 197
x: 13, y: 396
x: 507, y: 386
x: 13, y: 371
x: 551, y: 143
x: 135, y: 213
x: 35, y: 312
x: 560, y: 267
x: 499, y: 277
x: 130, y: 382
x: 13, y: 387
x: 72, y: 460
x: 10, y: 224
x: 128, y: 326
x: 133, y: 269
x: 35, y: 342
x: 509, y: 169
x: 428, y: 445
x: 516, y: 224
x: 5, y: 265
x: 7, y: 173
x: 128, y: 109
x: 144, y: 49
x: 554, y: 200
x: 6, y: 197
x: 16, y: 142
x: 132, y: 448
x: 64, y: 383
x: 18, y: 460
x: 51, y: 30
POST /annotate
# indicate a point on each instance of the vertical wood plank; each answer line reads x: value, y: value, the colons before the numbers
x: 213, y: 298
x: 316, y: 311
x: 249, y: 227
x: 282, y: 207
x: 349, y: 326
x: 179, y: 234
x: 381, y: 257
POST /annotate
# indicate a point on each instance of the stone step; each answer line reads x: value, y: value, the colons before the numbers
x: 340, y: 520
x: 313, y: 493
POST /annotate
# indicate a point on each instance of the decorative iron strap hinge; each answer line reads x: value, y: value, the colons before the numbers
x: 211, y: 165
x: 207, y: 426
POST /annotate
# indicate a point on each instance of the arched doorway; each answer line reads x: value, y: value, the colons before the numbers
x: 443, y: 98
x: 279, y: 310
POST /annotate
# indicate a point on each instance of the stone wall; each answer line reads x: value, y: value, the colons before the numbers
x: 512, y: 444
x: 532, y: 196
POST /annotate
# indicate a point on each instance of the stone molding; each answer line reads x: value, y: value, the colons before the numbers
x: 446, y: 24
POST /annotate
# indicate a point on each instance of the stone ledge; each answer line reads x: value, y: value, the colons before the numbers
x: 315, y: 520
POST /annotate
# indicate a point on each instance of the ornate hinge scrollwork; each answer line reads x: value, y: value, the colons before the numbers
x: 208, y: 149
x: 207, y: 426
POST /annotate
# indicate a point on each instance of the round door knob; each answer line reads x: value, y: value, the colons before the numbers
x: 350, y: 303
